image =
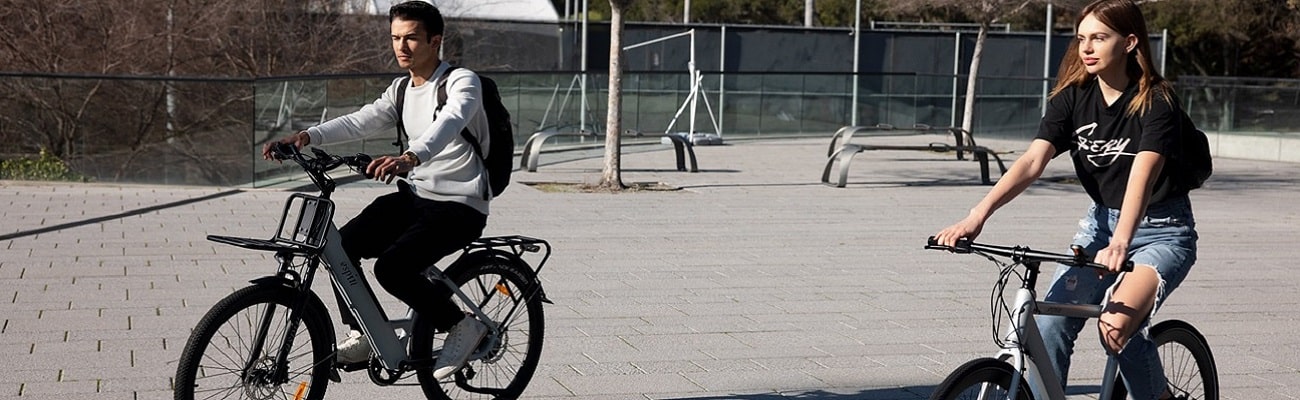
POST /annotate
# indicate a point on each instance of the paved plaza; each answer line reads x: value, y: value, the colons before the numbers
x: 751, y: 281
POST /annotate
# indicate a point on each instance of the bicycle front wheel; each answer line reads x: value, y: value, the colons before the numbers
x: 235, y: 351
x: 1187, y: 361
x: 983, y: 379
x: 503, y: 292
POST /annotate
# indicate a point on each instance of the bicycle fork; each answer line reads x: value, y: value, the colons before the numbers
x: 279, y: 368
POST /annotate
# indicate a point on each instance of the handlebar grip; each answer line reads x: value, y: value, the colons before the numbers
x: 962, y: 246
x: 1082, y: 257
x: 1128, y: 266
x: 283, y: 151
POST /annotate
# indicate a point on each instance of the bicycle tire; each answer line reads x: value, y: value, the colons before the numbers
x: 499, y: 285
x: 1187, y: 361
x: 212, y: 363
x: 967, y: 381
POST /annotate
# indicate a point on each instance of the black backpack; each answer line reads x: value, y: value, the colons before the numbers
x: 501, y: 149
x: 1194, y: 159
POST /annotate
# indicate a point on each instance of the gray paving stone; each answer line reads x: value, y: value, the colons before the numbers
x: 752, y: 282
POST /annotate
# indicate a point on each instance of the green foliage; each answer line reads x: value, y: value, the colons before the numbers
x: 1230, y: 37
x: 46, y: 167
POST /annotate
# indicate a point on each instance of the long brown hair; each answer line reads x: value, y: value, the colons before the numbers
x: 1125, y: 18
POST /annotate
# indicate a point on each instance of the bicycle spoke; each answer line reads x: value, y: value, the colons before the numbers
x: 231, y: 363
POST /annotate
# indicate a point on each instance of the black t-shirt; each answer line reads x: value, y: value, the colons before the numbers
x: 1104, y: 140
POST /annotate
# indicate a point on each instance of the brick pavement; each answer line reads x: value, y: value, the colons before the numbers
x: 751, y: 282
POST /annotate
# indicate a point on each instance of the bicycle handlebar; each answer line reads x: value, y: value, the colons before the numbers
x: 320, y: 162
x: 1023, y: 254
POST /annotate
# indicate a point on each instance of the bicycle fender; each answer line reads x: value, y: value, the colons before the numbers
x: 484, y: 256
x: 274, y: 281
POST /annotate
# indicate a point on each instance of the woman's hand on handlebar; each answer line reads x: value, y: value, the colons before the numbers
x: 1113, y: 257
x: 387, y: 168
x: 968, y: 228
x: 299, y: 140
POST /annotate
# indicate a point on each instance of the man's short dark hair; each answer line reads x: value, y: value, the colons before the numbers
x: 418, y: 10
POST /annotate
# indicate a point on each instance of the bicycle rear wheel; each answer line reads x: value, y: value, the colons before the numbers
x: 1187, y: 360
x: 222, y: 358
x: 506, y: 295
x: 983, y: 379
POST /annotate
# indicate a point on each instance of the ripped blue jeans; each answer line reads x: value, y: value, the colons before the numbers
x: 1166, y: 240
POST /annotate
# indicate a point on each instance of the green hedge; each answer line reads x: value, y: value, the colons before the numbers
x: 45, y: 168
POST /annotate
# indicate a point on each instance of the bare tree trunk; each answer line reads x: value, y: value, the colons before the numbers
x: 968, y: 116
x: 612, y: 175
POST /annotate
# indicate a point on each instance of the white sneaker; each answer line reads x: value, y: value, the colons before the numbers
x: 354, y: 349
x: 461, y: 341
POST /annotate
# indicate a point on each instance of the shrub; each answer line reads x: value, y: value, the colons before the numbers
x: 46, y: 167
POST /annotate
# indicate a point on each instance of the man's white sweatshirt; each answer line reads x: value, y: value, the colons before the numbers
x: 449, y: 169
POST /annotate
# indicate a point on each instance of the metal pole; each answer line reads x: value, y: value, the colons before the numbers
x: 808, y: 13
x: 956, y: 75
x: 695, y: 84
x: 582, y: 110
x: 722, y: 79
x: 1047, y: 60
x: 1164, y: 49
x: 857, y: 42
x: 686, y: 13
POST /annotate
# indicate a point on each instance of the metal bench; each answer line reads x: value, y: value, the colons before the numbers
x: 533, y: 148
x: 841, y: 151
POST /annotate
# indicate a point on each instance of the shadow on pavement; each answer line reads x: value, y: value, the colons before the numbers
x: 901, y: 393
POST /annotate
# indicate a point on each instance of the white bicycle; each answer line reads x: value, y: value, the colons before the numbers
x: 1021, y: 370
x: 275, y: 340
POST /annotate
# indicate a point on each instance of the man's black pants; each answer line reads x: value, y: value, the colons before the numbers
x: 406, y: 234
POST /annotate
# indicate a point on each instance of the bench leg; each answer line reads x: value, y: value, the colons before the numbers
x: 843, y: 157
x: 983, y: 158
x: 682, y: 149
x: 533, y: 149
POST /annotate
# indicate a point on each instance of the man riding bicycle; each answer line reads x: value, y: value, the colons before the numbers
x: 441, y: 202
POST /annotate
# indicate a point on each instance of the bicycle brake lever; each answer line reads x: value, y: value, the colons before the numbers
x: 1079, y: 254
x: 362, y: 162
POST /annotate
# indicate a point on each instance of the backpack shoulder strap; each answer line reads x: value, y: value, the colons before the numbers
x: 442, y: 99
x: 401, y: 127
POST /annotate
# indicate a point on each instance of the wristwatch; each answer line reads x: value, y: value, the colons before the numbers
x: 415, y: 160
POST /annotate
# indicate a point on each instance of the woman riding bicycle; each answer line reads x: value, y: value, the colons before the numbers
x: 1120, y: 122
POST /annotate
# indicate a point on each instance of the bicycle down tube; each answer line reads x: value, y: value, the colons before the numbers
x: 349, y: 282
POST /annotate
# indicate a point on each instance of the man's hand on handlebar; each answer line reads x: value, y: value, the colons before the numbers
x: 299, y: 140
x: 387, y: 168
